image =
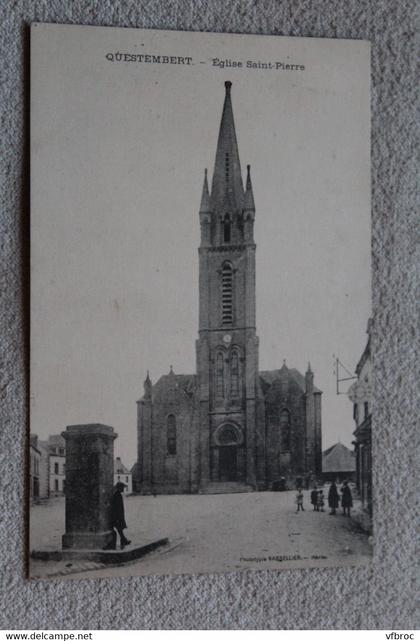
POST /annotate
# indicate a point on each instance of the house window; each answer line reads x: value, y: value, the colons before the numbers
x: 227, y: 294
x: 220, y: 378
x: 126, y: 479
x: 366, y: 409
x: 171, y: 435
x: 56, y: 468
x: 285, y: 429
x: 234, y: 375
x: 56, y: 486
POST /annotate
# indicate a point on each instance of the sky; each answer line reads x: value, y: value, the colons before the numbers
x: 118, y: 151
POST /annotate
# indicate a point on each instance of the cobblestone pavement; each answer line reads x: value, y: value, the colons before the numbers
x: 216, y: 533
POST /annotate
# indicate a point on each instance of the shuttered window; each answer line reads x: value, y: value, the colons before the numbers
x: 227, y: 294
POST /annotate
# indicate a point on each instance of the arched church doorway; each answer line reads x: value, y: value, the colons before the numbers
x: 228, y: 463
x: 228, y: 454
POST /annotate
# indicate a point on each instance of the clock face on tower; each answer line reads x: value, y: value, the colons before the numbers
x: 227, y: 338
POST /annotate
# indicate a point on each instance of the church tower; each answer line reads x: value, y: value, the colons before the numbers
x: 227, y: 347
x: 229, y: 427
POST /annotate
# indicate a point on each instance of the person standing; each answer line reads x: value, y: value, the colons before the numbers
x: 299, y: 501
x: 320, y: 501
x: 346, y: 499
x: 118, y: 518
x: 333, y: 498
x: 314, y: 499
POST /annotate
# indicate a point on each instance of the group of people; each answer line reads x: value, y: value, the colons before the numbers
x: 318, y: 500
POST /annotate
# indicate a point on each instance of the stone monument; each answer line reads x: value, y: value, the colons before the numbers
x: 89, y: 485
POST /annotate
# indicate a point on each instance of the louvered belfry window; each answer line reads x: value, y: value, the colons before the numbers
x: 227, y: 294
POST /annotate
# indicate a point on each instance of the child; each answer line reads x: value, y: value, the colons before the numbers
x: 299, y: 501
x: 321, y: 500
x: 314, y: 499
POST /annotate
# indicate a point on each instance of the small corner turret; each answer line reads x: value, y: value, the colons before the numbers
x: 205, y: 212
x: 309, y: 380
x: 249, y: 209
x: 147, y: 386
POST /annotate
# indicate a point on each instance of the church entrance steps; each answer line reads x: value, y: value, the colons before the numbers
x: 225, y: 487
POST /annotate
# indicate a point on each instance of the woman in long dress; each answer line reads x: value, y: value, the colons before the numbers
x: 346, y: 499
x: 333, y: 498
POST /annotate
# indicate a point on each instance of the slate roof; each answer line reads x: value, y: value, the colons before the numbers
x: 187, y: 382
x: 269, y: 376
x: 184, y: 382
x: 338, y: 458
x: 120, y: 468
x: 56, y: 442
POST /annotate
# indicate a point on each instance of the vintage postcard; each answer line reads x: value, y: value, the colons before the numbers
x: 200, y: 302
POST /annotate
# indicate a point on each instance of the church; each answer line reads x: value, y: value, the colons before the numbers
x: 228, y: 427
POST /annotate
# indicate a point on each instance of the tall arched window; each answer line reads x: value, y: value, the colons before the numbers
x: 171, y: 435
x: 226, y: 228
x: 227, y: 294
x: 285, y: 429
x: 234, y: 375
x: 220, y: 376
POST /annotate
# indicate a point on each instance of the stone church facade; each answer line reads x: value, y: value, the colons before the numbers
x: 229, y: 425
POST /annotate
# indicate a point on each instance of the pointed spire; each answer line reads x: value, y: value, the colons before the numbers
x: 227, y: 187
x: 249, y: 203
x: 309, y: 367
x: 205, y: 197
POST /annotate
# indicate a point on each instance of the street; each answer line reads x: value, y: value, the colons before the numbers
x: 218, y: 533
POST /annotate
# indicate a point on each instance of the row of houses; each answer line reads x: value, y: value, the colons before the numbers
x: 47, y: 469
x: 341, y: 463
x: 360, y: 394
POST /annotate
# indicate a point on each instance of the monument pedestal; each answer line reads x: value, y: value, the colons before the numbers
x: 89, y: 486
